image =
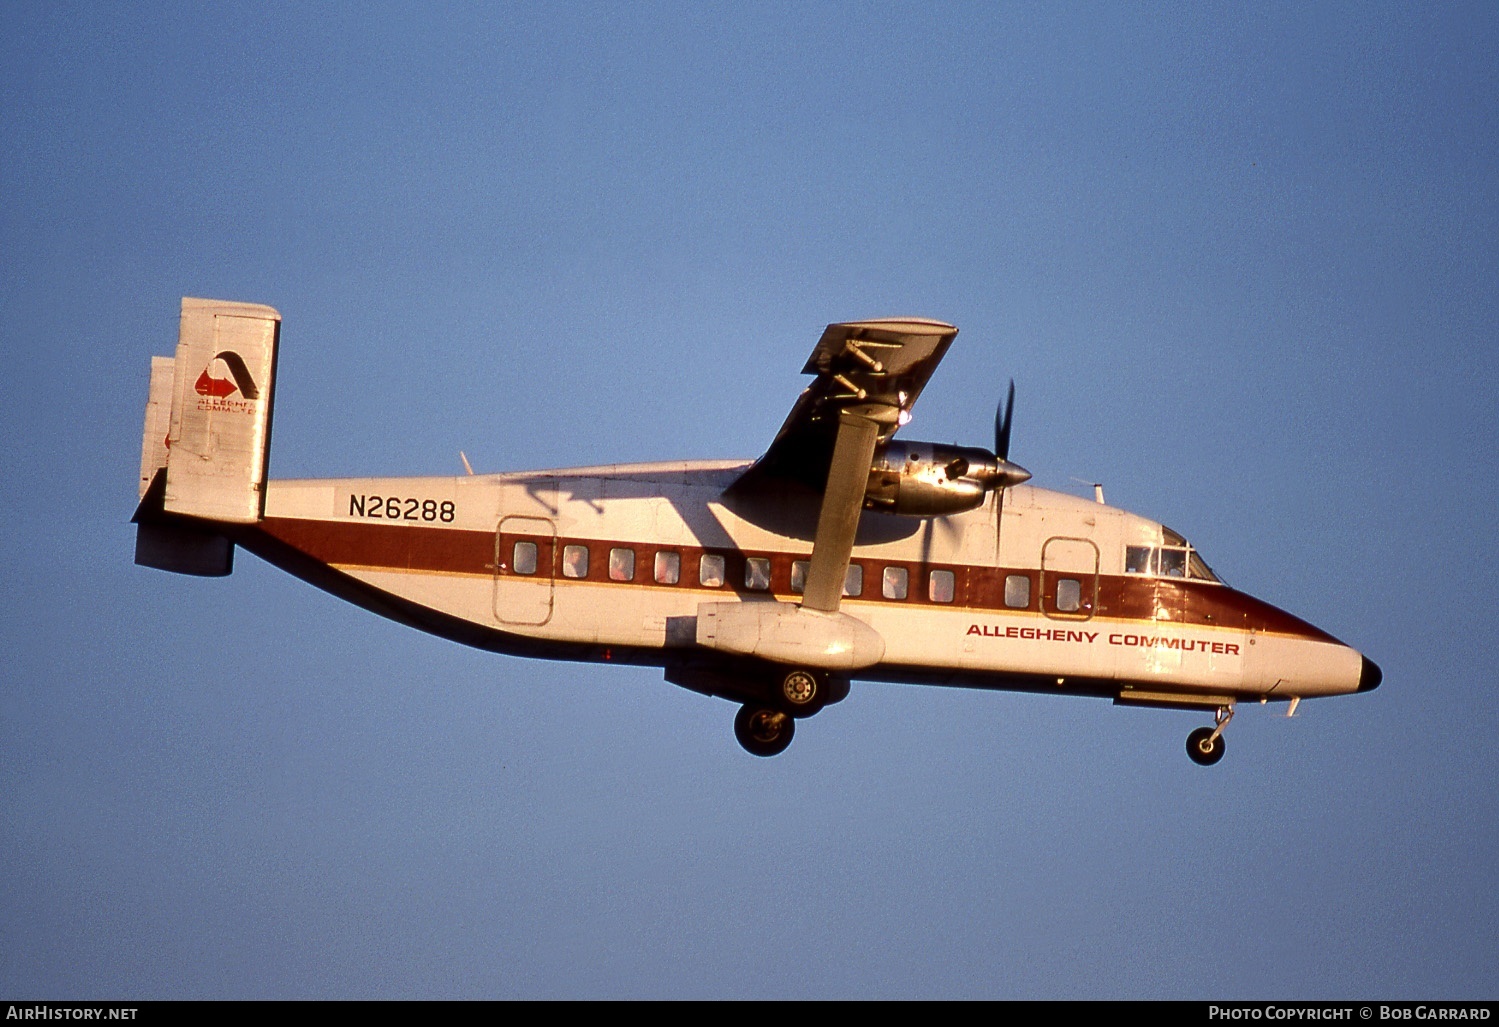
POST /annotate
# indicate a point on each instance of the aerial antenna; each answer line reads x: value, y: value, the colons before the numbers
x: 1097, y: 489
x: 466, y: 466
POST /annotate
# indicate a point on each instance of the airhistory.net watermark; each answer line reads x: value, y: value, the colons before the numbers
x: 53, y: 1011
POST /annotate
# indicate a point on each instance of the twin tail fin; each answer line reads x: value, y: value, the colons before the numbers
x: 207, y: 436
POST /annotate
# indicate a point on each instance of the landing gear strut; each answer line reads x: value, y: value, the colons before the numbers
x: 1205, y: 745
x: 763, y: 731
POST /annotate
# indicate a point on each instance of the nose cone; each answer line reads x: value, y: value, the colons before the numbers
x: 1370, y: 677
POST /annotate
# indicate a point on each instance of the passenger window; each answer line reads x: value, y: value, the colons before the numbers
x: 523, y: 559
x: 853, y: 581
x: 668, y: 568
x: 1069, y: 595
x: 710, y: 571
x: 896, y: 582
x: 1137, y: 560
x: 575, y: 561
x: 757, y: 573
x: 621, y: 565
x: 941, y: 586
x: 1017, y: 591
x: 799, y: 575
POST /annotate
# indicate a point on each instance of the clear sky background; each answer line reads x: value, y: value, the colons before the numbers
x: 1241, y: 260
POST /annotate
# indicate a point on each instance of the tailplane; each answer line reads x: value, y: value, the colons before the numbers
x: 206, y: 442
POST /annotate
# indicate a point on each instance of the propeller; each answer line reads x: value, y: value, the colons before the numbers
x: 1002, y: 424
x: 1003, y: 474
x: 1000, y: 476
x: 990, y: 472
x: 1014, y: 473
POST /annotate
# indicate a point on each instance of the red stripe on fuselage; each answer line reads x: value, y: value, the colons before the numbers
x: 1127, y: 597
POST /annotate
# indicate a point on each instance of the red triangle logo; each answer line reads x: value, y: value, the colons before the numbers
x: 218, y: 388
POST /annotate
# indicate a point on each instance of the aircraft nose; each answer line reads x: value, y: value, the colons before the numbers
x: 1370, y: 677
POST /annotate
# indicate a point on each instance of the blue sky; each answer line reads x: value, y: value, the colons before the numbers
x: 1241, y: 262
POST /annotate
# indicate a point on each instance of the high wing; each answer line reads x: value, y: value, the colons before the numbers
x: 869, y: 374
x: 870, y: 369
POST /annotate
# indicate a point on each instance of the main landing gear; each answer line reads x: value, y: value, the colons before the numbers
x: 803, y: 693
x: 1205, y: 745
x: 765, y: 728
x: 763, y: 731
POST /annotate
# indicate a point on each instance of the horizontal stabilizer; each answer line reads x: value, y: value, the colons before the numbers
x: 177, y: 544
x: 183, y: 550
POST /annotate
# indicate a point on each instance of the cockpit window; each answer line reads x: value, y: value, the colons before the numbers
x: 1197, y: 568
x: 1175, y: 559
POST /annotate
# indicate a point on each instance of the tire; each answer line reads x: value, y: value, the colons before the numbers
x: 803, y: 693
x: 763, y: 731
x: 1203, y: 752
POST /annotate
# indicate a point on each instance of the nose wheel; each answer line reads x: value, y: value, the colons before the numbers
x: 1205, y: 745
x: 763, y: 731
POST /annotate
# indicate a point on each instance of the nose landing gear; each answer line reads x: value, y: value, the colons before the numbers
x: 1205, y: 745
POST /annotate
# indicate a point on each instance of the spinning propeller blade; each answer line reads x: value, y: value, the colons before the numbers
x: 1002, y: 415
x: 1002, y: 424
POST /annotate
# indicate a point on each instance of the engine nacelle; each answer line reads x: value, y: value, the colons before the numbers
x: 922, y: 479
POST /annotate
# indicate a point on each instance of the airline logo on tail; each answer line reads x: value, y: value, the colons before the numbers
x: 216, y: 391
x: 223, y: 388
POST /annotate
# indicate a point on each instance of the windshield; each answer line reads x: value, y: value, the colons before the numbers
x: 1175, y: 559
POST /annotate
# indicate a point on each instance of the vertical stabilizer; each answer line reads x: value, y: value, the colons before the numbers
x: 206, y: 437
x: 158, y: 421
x: 220, y: 431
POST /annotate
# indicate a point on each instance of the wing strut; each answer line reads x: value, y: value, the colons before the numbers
x: 842, y: 502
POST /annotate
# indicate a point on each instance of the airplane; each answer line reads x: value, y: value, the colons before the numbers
x: 841, y: 555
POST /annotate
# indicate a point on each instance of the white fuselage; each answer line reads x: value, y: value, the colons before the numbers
x: 1044, y: 601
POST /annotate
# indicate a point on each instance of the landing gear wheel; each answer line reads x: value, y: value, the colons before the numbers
x: 763, y: 731
x: 1204, y: 749
x: 804, y: 692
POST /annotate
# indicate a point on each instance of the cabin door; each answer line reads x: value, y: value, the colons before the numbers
x: 1069, y: 578
x: 525, y: 563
